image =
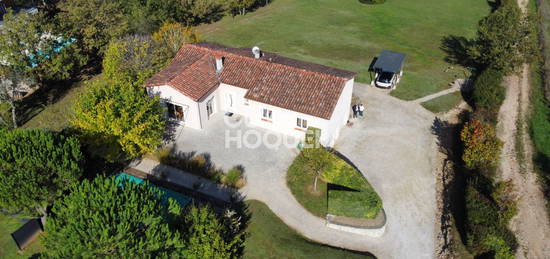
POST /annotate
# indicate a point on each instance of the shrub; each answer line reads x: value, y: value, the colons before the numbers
x: 481, y: 146
x: 232, y: 177
x: 118, y: 122
x: 488, y: 90
x: 485, y: 220
x: 163, y: 155
x: 201, y: 166
x: 372, y: 1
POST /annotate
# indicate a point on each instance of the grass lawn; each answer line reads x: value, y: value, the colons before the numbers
x: 8, y: 249
x: 271, y: 238
x: 348, y: 194
x: 56, y: 116
x: 348, y: 35
x: 443, y: 103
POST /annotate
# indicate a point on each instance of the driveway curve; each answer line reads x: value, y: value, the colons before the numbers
x: 392, y: 146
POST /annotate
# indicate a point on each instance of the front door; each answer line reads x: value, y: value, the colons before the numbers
x: 209, y: 107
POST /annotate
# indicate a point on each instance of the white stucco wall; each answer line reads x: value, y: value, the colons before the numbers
x: 340, y: 115
x: 190, y: 107
x: 283, y: 120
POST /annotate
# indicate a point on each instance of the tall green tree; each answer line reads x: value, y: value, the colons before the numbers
x: 21, y: 41
x: 94, y: 23
x: 171, y: 36
x: 111, y: 218
x: 194, y: 12
x: 118, y: 121
x: 146, y: 16
x: 206, y: 236
x: 31, y: 45
x: 133, y: 59
x: 36, y: 166
x: 240, y: 6
x: 505, y: 39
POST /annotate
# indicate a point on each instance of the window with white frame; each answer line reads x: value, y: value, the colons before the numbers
x: 301, y: 123
x: 267, y: 114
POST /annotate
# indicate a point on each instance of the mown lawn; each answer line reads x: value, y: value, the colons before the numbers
x: 348, y: 194
x: 56, y: 116
x: 8, y: 249
x: 348, y: 35
x: 443, y: 103
x: 270, y: 237
x: 35, y: 111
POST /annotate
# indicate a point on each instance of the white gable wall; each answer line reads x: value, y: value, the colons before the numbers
x: 190, y: 107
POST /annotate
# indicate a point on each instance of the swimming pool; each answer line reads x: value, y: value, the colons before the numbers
x: 181, y: 199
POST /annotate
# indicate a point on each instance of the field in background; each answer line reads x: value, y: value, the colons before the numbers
x: 348, y: 35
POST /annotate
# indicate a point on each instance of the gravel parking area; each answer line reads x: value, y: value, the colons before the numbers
x: 392, y: 146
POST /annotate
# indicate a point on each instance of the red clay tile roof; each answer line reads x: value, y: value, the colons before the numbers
x: 275, y: 80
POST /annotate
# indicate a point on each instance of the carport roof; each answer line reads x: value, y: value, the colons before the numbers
x: 389, y: 61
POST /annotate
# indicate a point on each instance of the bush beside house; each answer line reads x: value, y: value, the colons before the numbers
x: 199, y: 165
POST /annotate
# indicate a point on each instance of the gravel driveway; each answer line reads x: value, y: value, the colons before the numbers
x: 392, y: 146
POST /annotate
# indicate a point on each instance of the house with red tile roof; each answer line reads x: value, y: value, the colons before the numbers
x: 269, y: 90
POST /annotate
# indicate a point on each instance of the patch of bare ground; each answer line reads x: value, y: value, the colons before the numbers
x: 530, y: 225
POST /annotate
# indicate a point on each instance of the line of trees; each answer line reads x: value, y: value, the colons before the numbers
x: 506, y: 39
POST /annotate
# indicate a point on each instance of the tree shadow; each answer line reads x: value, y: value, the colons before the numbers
x: 456, y: 48
x: 49, y: 93
x: 170, y: 134
x: 454, y: 175
x: 337, y: 187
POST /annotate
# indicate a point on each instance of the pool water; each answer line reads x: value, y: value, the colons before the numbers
x: 181, y: 199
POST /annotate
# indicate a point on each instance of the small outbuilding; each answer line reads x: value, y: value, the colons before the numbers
x: 388, y: 69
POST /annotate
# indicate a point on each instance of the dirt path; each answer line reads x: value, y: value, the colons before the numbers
x: 530, y: 225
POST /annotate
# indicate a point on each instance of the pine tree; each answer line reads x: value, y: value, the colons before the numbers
x: 36, y: 167
x: 111, y: 218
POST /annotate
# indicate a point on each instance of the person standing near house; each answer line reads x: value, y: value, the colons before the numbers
x: 355, y: 109
x: 361, y: 109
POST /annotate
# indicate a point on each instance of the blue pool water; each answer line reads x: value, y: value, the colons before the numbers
x: 181, y: 199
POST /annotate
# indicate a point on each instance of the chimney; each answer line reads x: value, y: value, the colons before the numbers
x: 219, y: 63
x: 257, y: 52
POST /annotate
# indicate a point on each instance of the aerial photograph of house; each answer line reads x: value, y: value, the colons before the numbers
x: 274, y: 129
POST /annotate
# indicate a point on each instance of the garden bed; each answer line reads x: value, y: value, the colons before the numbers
x: 342, y: 190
